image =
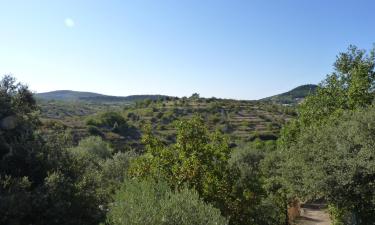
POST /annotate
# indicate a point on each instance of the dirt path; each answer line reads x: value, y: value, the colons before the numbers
x: 313, y: 215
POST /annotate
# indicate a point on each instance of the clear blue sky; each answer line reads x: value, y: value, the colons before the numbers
x: 239, y: 49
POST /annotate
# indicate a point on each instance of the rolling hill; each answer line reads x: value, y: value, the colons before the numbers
x: 293, y: 96
x: 68, y: 95
x: 242, y: 121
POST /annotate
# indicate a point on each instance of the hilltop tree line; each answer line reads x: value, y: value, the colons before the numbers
x: 327, y: 153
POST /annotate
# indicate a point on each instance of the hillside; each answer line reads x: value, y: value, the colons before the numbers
x: 240, y: 120
x: 68, y: 95
x: 293, y: 96
x: 122, y: 124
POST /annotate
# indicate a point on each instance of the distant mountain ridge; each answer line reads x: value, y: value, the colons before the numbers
x: 68, y: 95
x: 293, y: 96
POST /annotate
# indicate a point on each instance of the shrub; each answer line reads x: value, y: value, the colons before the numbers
x: 153, y: 203
x: 107, y: 119
x: 93, y: 146
x: 93, y: 130
x: 186, y: 208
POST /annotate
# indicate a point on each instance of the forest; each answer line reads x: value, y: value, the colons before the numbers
x: 192, y: 161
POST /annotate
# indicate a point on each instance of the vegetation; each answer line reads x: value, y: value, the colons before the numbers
x: 191, y: 160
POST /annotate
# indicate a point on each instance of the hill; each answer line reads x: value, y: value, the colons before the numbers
x: 87, y: 113
x: 68, y: 95
x: 122, y: 124
x: 293, y: 96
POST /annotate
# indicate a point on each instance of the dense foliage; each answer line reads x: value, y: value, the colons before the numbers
x: 203, y: 161
x: 328, y: 152
x: 39, y: 181
x: 42, y: 179
x: 335, y: 161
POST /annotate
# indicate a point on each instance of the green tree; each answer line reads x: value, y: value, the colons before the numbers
x: 194, y: 97
x: 18, y: 121
x: 336, y: 162
x: 202, y: 161
x: 349, y: 87
x: 20, y: 168
x: 198, y: 160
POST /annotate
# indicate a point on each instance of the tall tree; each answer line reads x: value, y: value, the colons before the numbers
x: 349, y: 87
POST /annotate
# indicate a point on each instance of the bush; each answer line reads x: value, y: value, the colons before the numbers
x: 93, y: 130
x: 153, y: 203
x: 186, y: 208
x: 93, y: 146
x: 216, y: 118
x: 107, y: 119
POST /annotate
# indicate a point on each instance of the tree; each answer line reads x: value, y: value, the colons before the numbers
x: 194, y: 96
x: 17, y: 124
x: 198, y: 160
x: 255, y: 202
x: 19, y: 164
x: 201, y: 160
x: 335, y: 161
x: 349, y: 87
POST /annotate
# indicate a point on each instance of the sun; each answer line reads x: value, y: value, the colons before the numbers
x: 69, y: 22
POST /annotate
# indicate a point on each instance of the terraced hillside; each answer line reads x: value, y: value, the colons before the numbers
x: 62, y: 110
x: 242, y: 121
